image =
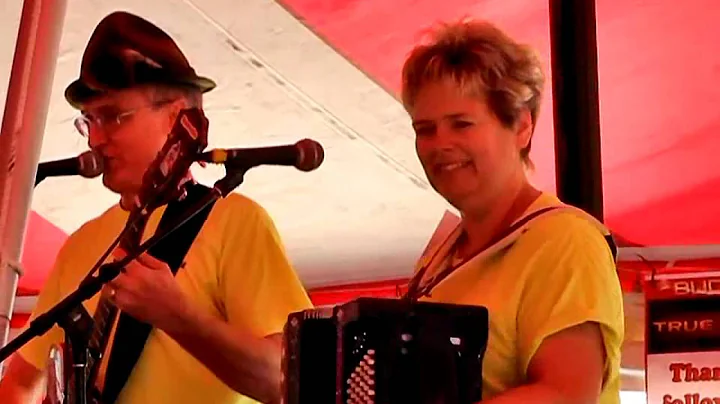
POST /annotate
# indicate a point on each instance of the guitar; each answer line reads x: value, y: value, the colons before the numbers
x: 54, y: 392
x: 164, y: 181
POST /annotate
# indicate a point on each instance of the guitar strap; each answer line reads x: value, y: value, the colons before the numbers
x: 131, y: 334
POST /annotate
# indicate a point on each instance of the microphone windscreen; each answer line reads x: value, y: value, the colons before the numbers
x: 90, y: 164
x: 310, y: 155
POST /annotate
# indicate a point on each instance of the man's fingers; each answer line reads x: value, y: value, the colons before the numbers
x: 122, y: 281
x: 119, y: 253
x: 151, y: 262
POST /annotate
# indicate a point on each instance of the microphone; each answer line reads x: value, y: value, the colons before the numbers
x: 88, y: 164
x: 305, y: 155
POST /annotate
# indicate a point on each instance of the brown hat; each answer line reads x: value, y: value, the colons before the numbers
x: 125, y: 51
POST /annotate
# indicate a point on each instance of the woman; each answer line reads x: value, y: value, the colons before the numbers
x: 544, y: 270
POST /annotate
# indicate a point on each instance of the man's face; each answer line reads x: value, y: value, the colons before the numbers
x: 128, y: 129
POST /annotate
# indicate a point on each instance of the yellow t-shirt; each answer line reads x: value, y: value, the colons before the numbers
x: 236, y: 270
x: 556, y: 274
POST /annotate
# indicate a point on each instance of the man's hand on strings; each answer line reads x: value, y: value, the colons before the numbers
x: 146, y: 289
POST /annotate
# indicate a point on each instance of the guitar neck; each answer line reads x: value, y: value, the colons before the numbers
x: 104, y: 318
x: 106, y: 313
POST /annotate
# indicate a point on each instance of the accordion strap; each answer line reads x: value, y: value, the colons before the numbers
x: 416, y: 291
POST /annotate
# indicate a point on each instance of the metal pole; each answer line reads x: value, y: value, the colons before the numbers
x: 23, y: 124
x: 578, y: 166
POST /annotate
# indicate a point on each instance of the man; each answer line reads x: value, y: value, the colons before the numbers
x: 544, y: 271
x: 217, y: 322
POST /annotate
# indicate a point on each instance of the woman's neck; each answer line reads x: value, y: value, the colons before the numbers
x: 479, y: 230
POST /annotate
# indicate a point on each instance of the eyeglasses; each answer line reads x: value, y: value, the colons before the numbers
x: 110, y: 120
x: 85, y: 122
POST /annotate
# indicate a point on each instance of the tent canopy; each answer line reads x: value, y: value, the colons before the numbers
x: 329, y: 70
x: 658, y: 104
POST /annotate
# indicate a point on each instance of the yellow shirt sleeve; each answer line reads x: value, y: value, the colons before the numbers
x: 258, y: 286
x: 36, y: 351
x: 573, y: 281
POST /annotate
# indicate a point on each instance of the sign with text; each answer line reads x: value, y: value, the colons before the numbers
x: 683, y: 338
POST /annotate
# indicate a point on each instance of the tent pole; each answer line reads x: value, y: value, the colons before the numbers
x: 578, y: 165
x: 23, y: 124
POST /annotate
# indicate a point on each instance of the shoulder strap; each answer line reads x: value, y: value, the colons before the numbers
x: 415, y: 291
x: 414, y: 286
x: 602, y: 228
x: 131, y: 334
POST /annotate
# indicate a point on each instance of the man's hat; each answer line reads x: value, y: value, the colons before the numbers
x: 125, y: 51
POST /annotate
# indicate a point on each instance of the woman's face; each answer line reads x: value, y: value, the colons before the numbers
x: 468, y: 155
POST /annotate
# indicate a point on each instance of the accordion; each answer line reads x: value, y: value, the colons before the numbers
x: 385, y: 351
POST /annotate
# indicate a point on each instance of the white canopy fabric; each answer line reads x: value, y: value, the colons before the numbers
x: 365, y: 214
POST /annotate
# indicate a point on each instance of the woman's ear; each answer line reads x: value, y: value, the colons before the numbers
x: 523, y: 129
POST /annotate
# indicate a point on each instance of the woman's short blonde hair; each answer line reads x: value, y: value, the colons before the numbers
x: 484, y: 62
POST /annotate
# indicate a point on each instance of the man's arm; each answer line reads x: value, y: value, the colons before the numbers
x: 568, y: 368
x: 245, y: 363
x: 257, y: 289
x: 22, y: 382
x: 25, y: 371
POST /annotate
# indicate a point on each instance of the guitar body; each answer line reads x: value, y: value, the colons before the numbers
x: 69, y: 368
x: 76, y: 374
x: 55, y: 388
x: 67, y: 383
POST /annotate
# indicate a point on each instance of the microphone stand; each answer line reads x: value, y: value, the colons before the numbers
x: 65, y: 313
x: 39, y: 178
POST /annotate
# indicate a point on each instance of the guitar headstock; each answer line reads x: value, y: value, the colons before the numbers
x: 164, y: 179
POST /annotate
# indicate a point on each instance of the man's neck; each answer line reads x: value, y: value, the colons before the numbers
x: 128, y: 199
x: 479, y: 229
